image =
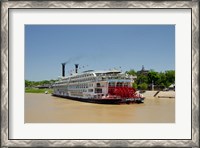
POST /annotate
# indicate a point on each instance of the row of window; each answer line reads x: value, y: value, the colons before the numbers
x: 72, y: 91
x: 81, y: 76
x: 90, y: 85
x: 98, y: 96
x: 83, y: 80
x: 86, y: 85
x: 118, y: 84
x: 78, y: 86
x: 76, y: 94
x: 97, y: 90
x: 78, y: 91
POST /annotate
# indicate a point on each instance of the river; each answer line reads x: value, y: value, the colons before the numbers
x: 44, y: 108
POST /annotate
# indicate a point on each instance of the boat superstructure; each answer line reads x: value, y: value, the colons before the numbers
x: 108, y: 87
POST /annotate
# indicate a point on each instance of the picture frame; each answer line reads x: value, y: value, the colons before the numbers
x: 6, y: 6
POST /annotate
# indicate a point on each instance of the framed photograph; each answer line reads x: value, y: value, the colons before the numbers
x: 100, y: 73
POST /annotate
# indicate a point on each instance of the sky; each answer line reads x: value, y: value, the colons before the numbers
x: 97, y: 47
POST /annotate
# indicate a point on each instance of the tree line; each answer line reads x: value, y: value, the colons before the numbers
x: 38, y: 83
x: 159, y: 80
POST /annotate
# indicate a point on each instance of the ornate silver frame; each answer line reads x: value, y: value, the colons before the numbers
x: 6, y: 142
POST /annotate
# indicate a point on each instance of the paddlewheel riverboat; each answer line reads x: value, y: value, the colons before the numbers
x: 106, y: 87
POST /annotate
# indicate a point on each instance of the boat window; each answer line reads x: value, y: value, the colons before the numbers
x: 119, y: 84
x: 98, y: 85
x: 90, y: 90
x: 98, y: 90
x: 112, y: 84
x: 125, y: 84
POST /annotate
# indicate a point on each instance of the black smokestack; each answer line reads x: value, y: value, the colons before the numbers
x: 63, y: 69
x: 76, y: 68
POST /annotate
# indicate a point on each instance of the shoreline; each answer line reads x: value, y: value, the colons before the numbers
x: 159, y: 94
x: 146, y: 94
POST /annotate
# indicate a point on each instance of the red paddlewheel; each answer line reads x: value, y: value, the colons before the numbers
x: 124, y: 92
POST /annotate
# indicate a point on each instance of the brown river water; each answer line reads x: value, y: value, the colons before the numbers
x: 44, y: 108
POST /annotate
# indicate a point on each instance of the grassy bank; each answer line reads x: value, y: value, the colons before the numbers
x: 36, y: 90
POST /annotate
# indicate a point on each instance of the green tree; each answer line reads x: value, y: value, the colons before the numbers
x: 153, y: 77
x: 141, y: 79
x: 28, y: 83
x: 134, y: 85
x: 143, y: 86
x: 170, y: 76
x: 37, y: 83
x: 131, y: 72
x: 44, y: 82
x: 163, y: 80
